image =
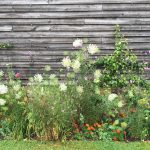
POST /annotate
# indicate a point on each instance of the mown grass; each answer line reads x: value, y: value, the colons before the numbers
x: 74, y: 145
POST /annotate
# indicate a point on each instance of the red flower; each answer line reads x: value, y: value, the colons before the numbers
x: 17, y: 75
x: 114, y: 138
x: 124, y: 133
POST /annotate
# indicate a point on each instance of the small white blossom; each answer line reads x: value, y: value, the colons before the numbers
x: 79, y: 89
x: 18, y: 95
x: 78, y: 43
x: 47, y: 68
x: 38, y: 78
x: 53, y: 79
x: 2, y: 102
x: 92, y: 49
x: 120, y: 104
x: 66, y: 62
x: 97, y: 75
x: 112, y: 96
x: 16, y: 87
x: 76, y: 65
x: 63, y: 87
x: 1, y: 73
x: 3, y: 89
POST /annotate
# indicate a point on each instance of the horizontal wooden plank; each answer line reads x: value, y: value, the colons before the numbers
x: 126, y: 7
x: 96, y: 1
x: 108, y: 14
x: 13, y: 2
x: 80, y: 28
x: 50, y: 8
x: 89, y: 34
x: 40, y: 21
x: 64, y: 40
x: 81, y: 21
x: 69, y: 1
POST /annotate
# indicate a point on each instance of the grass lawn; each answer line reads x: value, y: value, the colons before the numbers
x: 75, y: 145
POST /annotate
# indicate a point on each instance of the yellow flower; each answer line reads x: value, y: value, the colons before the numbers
x: 123, y: 125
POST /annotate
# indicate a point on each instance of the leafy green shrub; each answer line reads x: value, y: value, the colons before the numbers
x: 122, y: 67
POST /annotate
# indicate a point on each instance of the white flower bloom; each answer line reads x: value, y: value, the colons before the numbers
x: 66, y: 62
x: 53, y: 79
x: 52, y: 76
x: 38, y: 78
x: 78, y: 43
x: 18, y: 95
x: 1, y: 73
x: 3, y: 89
x: 112, y: 96
x: 79, y: 89
x: 96, y: 80
x: 120, y: 104
x: 47, y: 68
x: 92, y: 49
x: 63, y: 87
x: 76, y: 65
x: 2, y: 102
x: 17, y: 87
x: 97, y: 75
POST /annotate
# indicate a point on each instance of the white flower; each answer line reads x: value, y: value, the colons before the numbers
x: 47, y: 68
x: 16, y: 87
x: 78, y: 43
x: 1, y: 73
x: 76, y: 65
x: 18, y: 95
x: 53, y: 79
x: 66, y: 62
x: 3, y: 89
x: 2, y: 102
x: 97, y: 75
x: 38, y: 78
x: 112, y: 96
x: 120, y: 104
x: 79, y: 89
x: 92, y: 49
x: 63, y: 87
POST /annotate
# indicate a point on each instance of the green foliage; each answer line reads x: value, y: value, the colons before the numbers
x: 122, y: 67
x: 5, y: 46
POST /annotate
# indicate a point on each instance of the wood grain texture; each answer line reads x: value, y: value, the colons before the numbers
x: 42, y: 30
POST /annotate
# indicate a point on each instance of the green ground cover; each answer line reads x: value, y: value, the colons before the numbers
x: 75, y: 145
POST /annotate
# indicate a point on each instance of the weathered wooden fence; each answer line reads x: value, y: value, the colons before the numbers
x: 41, y: 30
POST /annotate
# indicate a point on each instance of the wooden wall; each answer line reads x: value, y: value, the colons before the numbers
x: 41, y: 30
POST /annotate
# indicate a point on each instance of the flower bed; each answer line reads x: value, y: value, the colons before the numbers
x: 104, y: 99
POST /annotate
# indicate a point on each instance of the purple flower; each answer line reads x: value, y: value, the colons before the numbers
x: 147, y: 69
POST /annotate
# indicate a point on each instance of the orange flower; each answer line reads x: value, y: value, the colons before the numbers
x: 99, y: 126
x: 118, y: 131
x: 89, y: 128
x: 87, y: 125
x: 92, y: 128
